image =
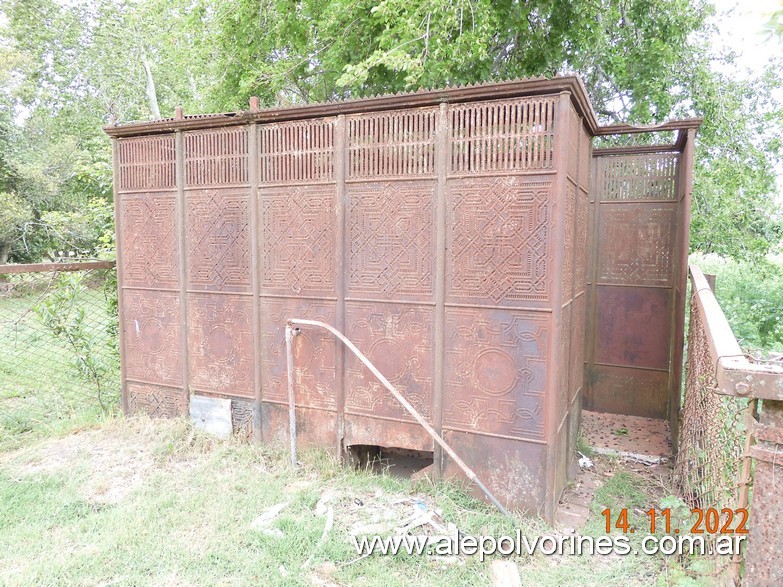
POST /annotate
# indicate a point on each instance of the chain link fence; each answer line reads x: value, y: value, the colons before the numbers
x: 59, y: 354
x: 713, y: 467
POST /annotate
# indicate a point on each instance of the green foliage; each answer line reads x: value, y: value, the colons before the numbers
x: 61, y: 312
x: 72, y: 66
x: 751, y: 296
x: 14, y: 213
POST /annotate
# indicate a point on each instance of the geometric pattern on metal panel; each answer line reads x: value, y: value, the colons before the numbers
x: 214, y: 157
x: 297, y: 151
x: 398, y: 341
x: 313, y: 348
x: 220, y: 344
x: 392, y: 244
x: 149, y: 223
x: 496, y: 366
x: 585, y: 159
x: 502, y: 135
x: 242, y: 412
x: 580, y: 244
x: 146, y: 163
x: 638, y: 177
x: 637, y: 243
x: 218, y: 241
x: 499, y: 240
x: 569, y: 245
x: 388, y: 144
x: 151, y: 327
x: 566, y: 350
x: 156, y: 401
x: 298, y: 239
x: 577, y: 351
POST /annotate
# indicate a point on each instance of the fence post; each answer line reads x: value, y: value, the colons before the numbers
x: 765, y: 541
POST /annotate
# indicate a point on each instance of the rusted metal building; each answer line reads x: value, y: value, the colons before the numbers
x: 469, y: 241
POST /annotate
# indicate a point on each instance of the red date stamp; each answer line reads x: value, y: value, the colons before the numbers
x: 709, y: 521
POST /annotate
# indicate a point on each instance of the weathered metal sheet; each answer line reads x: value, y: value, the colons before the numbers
x: 624, y: 390
x: 496, y: 372
x: 157, y: 401
x: 218, y: 239
x: 634, y: 326
x: 514, y: 471
x: 397, y: 338
x: 151, y: 329
x: 498, y: 241
x: 220, y: 344
x: 444, y: 233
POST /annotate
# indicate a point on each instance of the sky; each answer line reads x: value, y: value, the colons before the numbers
x: 741, y: 28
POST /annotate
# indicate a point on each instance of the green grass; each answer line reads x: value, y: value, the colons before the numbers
x: 41, y: 392
x: 140, y: 502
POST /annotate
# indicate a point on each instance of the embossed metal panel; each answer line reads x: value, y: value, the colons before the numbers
x: 446, y: 238
x: 496, y: 372
x: 636, y: 264
x: 499, y: 240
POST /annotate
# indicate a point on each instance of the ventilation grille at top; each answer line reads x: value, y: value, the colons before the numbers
x: 502, y: 136
x: 296, y: 151
x: 216, y: 157
x: 639, y: 177
x: 146, y: 163
x: 392, y: 144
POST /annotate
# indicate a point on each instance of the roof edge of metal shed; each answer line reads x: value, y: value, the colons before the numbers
x: 468, y: 93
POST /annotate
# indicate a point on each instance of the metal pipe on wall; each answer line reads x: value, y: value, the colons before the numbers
x: 289, y: 334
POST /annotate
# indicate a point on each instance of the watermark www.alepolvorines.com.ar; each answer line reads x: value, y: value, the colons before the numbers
x: 456, y: 544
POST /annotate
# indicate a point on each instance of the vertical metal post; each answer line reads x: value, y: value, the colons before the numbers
x: 119, y: 255
x: 255, y: 277
x: 765, y: 541
x: 342, y: 245
x: 182, y: 253
x: 289, y: 351
x: 557, y: 243
x: 439, y: 346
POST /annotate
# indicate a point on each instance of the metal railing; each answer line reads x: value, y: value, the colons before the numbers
x: 719, y: 417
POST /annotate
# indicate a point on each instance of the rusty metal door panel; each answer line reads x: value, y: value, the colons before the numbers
x: 636, y: 254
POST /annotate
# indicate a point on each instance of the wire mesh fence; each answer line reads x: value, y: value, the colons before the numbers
x: 59, y: 355
x: 713, y: 466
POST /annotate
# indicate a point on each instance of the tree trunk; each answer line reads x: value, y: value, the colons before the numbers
x: 5, y: 251
x: 152, y: 95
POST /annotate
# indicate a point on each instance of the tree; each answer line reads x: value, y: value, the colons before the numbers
x: 83, y: 63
